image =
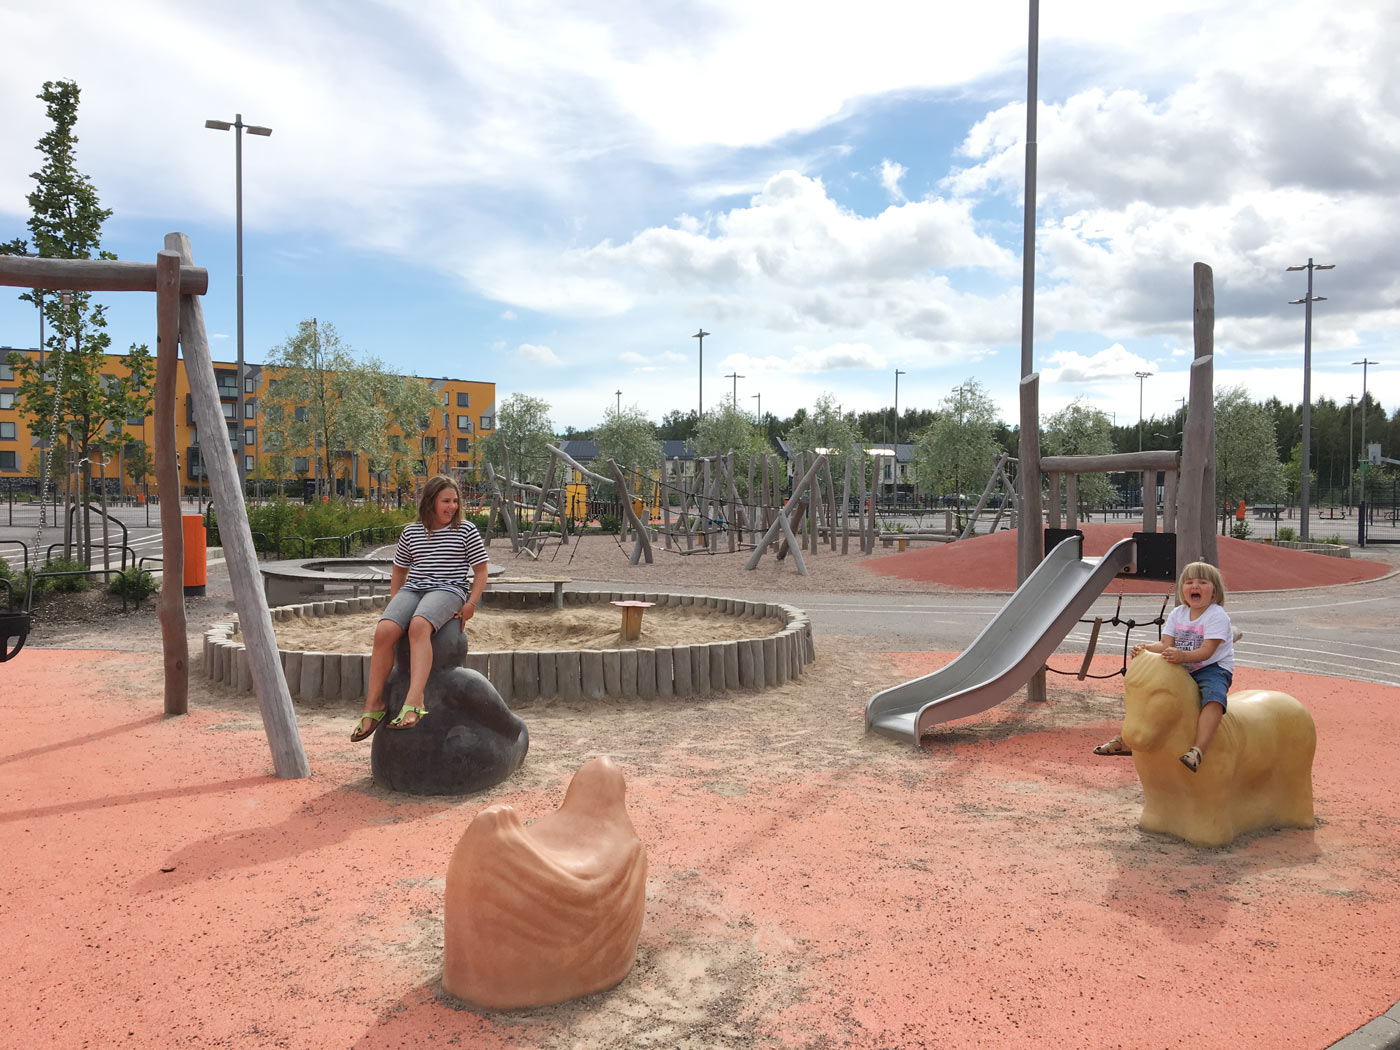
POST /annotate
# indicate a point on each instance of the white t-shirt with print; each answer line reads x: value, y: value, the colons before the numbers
x: 1190, y: 634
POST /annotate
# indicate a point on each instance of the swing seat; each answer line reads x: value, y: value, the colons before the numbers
x: 14, y: 628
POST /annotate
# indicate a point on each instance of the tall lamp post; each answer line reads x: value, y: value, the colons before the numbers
x: 735, y: 395
x: 1351, y: 442
x: 619, y: 402
x: 700, y: 408
x: 238, y: 127
x: 1140, y: 377
x: 897, y: 374
x: 1364, y: 363
x: 759, y: 396
x: 1304, y: 510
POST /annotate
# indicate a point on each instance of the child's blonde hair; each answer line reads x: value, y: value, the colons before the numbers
x: 1202, y: 570
x: 428, y: 500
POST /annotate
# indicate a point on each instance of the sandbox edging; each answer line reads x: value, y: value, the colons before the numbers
x: 682, y: 672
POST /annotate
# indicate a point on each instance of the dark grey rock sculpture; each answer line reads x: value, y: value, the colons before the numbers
x: 468, y: 741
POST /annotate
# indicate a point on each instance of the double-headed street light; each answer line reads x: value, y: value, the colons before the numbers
x: 700, y: 409
x: 1365, y: 363
x: 238, y: 127
x: 1140, y: 377
x: 1307, y: 301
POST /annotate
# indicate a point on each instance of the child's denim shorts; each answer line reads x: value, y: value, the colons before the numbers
x: 1214, y: 681
x: 436, y: 606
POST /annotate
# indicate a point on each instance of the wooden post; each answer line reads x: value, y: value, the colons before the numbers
x: 782, y: 524
x: 507, y: 499
x: 1052, y: 510
x: 1030, y: 540
x: 1072, y: 500
x: 1194, y: 516
x: 830, y: 505
x: 643, y: 545
x: 279, y: 720
x: 846, y: 508
x: 174, y: 643
x: 874, y: 488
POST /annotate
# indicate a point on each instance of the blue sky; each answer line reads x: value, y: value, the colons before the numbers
x: 556, y: 196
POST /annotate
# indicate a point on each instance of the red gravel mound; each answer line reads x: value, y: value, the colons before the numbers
x: 988, y: 563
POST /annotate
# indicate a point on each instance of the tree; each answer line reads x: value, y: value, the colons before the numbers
x: 137, y: 461
x: 957, y: 452
x: 1246, y: 458
x: 826, y: 431
x: 66, y: 223
x: 729, y: 429
x: 677, y: 425
x: 1078, y: 430
x: 327, y: 403
x: 523, y: 424
x: 628, y: 438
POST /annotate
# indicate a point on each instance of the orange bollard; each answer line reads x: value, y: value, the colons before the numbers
x: 196, y: 554
x: 1239, y: 514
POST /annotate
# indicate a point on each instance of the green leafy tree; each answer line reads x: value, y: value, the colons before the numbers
x: 136, y: 461
x: 523, y: 423
x: 728, y: 429
x: 1246, y: 458
x: 628, y: 438
x: 677, y: 425
x: 66, y: 223
x: 326, y: 403
x: 826, y: 431
x: 957, y: 452
x: 1078, y: 430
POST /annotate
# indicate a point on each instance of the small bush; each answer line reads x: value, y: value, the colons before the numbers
x: 1240, y: 530
x: 134, y: 583
x: 1287, y: 533
x: 1334, y: 538
x: 610, y: 523
x: 62, y: 584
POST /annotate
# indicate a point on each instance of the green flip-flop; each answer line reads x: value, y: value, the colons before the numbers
x: 398, y: 722
x: 375, y: 717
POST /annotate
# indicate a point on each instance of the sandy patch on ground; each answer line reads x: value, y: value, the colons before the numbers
x: 809, y: 886
x: 494, y: 629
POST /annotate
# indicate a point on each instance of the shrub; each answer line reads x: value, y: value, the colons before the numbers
x: 1334, y: 538
x: 62, y: 584
x: 134, y: 583
x: 1287, y: 533
x: 1240, y: 530
x: 610, y: 523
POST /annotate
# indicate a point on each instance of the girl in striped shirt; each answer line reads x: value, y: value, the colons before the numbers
x: 438, y: 560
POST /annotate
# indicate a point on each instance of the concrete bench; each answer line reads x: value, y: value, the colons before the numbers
x: 288, y: 582
x: 557, y: 582
x: 889, y: 539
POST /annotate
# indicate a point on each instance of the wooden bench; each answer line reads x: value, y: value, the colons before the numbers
x: 889, y: 539
x: 556, y: 581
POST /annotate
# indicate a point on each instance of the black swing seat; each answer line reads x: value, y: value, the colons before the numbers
x: 14, y: 629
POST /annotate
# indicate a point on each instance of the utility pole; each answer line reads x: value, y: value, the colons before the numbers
x: 1365, y: 363
x: 1304, y: 500
x: 1140, y: 377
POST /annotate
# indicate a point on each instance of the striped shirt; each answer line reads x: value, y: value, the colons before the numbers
x: 439, y: 560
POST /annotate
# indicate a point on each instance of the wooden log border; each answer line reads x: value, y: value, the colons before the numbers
x: 537, y: 673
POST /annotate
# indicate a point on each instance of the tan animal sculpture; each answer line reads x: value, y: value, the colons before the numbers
x: 1257, y: 771
x: 539, y: 914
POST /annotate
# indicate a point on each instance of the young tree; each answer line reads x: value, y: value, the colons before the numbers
x: 957, y: 452
x: 629, y: 439
x: 827, y: 431
x: 1246, y: 458
x: 1078, y: 430
x: 66, y: 223
x: 728, y: 429
x: 330, y: 404
x: 523, y: 423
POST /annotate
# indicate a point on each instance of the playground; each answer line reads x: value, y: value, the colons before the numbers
x: 810, y: 885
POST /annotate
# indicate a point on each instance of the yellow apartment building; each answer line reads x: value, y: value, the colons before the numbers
x: 448, y: 445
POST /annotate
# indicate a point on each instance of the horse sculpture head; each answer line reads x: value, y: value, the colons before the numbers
x: 1160, y: 702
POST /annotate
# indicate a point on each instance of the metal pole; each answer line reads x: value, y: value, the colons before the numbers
x: 619, y: 402
x: 1351, y: 442
x: 1304, y: 493
x: 897, y: 374
x: 1140, y: 377
x: 700, y: 408
x: 1028, y: 222
x: 238, y: 237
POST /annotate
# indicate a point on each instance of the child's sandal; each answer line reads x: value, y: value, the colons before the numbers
x: 362, y: 730
x: 1192, y: 759
x: 419, y: 714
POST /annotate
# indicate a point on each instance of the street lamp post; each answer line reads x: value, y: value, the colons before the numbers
x: 734, y: 397
x: 759, y: 396
x: 619, y: 402
x: 1307, y: 301
x: 1365, y: 363
x: 238, y: 127
x: 700, y: 408
x: 897, y: 374
x: 1351, y: 442
x: 1140, y: 377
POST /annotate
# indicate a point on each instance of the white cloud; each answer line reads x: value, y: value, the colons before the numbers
x: 538, y: 355
x: 508, y: 315
x: 891, y: 173
x: 1112, y: 363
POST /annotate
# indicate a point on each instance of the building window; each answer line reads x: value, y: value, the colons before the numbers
x: 250, y: 410
x: 194, y: 435
x: 250, y: 436
x: 464, y: 424
x: 250, y: 385
x: 7, y: 370
x: 487, y: 422
x: 464, y: 444
x: 300, y: 465
x: 9, y: 461
x: 447, y: 397
x: 229, y: 410
x: 273, y: 385
x: 302, y: 414
x: 135, y: 421
x: 7, y: 400
x: 248, y: 463
x: 9, y: 431
x: 429, y: 444
x: 228, y: 384
x: 464, y: 464
x: 464, y: 400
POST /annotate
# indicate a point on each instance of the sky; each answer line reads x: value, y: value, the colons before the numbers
x: 556, y: 196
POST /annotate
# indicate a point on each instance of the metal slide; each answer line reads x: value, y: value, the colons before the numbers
x: 1011, y: 648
